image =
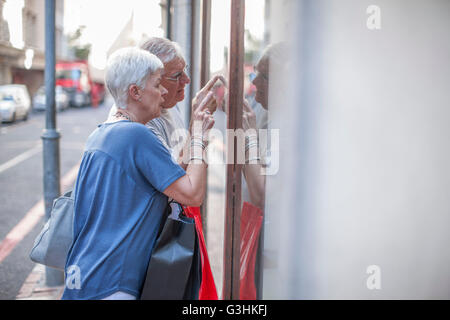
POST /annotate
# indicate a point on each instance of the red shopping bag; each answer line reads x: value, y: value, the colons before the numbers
x: 208, y: 289
x: 251, y: 222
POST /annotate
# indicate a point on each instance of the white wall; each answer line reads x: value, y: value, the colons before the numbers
x: 364, y: 176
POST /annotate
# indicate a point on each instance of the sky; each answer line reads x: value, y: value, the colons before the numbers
x: 104, y: 19
x: 11, y: 13
x: 101, y: 29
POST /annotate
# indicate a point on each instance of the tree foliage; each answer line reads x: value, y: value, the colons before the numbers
x: 80, y: 50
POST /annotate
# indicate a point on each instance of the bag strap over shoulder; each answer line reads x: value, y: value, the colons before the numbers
x: 71, y: 194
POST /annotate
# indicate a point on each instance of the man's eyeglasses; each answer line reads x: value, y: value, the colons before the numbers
x: 252, y: 76
x: 176, y: 77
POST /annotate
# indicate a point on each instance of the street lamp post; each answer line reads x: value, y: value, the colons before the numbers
x: 50, y: 136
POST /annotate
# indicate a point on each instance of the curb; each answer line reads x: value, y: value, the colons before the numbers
x: 34, y: 287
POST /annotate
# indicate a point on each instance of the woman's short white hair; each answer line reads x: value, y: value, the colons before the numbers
x: 128, y: 66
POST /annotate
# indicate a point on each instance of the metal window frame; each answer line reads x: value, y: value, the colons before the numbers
x: 205, y: 37
x: 205, y: 40
x: 234, y: 171
x: 169, y: 13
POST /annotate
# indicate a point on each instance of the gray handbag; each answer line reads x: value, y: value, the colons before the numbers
x: 53, y: 243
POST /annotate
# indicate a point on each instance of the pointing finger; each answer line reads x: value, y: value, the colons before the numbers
x: 205, y: 102
x: 213, y: 81
x: 246, y: 106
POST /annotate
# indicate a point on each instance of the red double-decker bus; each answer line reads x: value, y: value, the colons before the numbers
x: 76, y: 79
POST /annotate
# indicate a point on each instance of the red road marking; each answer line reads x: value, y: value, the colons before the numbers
x: 32, y: 217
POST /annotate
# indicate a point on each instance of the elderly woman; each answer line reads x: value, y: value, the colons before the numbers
x: 125, y: 179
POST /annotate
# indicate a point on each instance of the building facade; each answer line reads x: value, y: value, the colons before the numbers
x: 22, y: 58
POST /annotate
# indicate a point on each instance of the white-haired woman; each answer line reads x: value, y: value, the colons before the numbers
x: 125, y: 178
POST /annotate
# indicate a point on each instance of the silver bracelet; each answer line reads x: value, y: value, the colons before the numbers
x: 253, y: 159
x: 249, y: 145
x: 198, y: 158
x: 198, y: 143
x: 252, y: 137
x: 197, y: 137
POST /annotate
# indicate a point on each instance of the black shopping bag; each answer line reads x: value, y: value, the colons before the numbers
x: 174, y: 270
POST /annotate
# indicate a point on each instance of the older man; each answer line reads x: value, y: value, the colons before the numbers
x: 175, y: 79
x: 170, y: 127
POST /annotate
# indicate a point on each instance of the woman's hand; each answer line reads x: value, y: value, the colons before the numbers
x: 202, y: 119
x: 201, y: 95
x: 190, y: 189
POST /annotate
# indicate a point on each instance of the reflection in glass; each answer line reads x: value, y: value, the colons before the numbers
x: 259, y: 148
x: 261, y: 156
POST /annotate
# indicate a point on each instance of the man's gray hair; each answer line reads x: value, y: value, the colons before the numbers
x: 128, y: 66
x: 165, y: 49
x: 278, y: 53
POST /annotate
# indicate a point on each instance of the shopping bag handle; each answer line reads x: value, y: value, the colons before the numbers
x: 181, y: 213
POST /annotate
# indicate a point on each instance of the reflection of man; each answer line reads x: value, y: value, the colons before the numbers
x: 175, y: 79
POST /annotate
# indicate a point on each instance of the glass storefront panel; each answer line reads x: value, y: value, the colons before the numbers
x: 254, y: 148
x: 216, y: 184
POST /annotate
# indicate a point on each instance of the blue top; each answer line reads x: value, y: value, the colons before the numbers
x: 118, y: 210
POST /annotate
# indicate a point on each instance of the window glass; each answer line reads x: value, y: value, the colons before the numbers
x: 216, y: 190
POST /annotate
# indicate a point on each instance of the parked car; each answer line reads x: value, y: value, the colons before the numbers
x: 61, y: 99
x: 15, y: 102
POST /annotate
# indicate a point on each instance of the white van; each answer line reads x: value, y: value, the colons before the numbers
x: 15, y: 102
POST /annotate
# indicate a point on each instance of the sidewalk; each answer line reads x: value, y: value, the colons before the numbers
x: 34, y: 287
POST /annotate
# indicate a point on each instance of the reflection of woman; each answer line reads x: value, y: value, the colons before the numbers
x: 257, y: 155
x: 123, y: 183
x: 274, y: 57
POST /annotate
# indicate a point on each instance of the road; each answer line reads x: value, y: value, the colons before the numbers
x: 21, y: 183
